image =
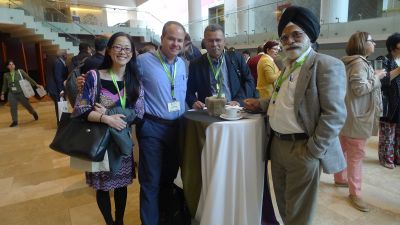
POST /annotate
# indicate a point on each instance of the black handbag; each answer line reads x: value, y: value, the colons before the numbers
x: 81, y: 139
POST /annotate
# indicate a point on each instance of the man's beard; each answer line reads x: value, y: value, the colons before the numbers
x: 294, y: 51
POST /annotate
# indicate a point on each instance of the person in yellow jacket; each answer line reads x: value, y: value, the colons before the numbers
x: 267, y: 70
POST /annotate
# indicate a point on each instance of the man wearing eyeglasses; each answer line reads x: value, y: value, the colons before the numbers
x: 218, y: 71
x: 305, y: 113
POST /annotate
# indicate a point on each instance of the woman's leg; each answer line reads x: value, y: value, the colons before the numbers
x: 120, y: 195
x: 25, y: 103
x: 13, y: 107
x: 341, y: 177
x: 387, y: 132
x: 103, y: 201
x: 355, y: 155
x: 397, y: 148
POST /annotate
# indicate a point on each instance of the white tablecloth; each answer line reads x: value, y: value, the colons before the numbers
x: 232, y: 173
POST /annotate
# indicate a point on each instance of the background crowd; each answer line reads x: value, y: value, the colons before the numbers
x: 321, y: 110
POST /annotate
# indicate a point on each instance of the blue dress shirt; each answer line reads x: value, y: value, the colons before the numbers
x: 157, y: 86
x: 224, y: 73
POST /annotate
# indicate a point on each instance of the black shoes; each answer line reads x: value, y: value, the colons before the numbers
x: 14, y: 124
x: 36, y: 116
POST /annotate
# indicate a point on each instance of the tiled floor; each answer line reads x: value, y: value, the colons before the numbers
x: 37, y: 187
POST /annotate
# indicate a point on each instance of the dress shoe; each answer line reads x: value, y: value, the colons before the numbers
x: 358, y: 203
x: 36, y: 116
x: 14, y: 124
x: 338, y: 184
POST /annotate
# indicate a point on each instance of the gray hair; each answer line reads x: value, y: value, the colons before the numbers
x: 213, y: 28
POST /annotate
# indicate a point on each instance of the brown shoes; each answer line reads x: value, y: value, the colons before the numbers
x: 358, y: 203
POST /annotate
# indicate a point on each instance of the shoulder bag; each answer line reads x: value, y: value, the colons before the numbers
x: 26, y: 86
x: 80, y: 138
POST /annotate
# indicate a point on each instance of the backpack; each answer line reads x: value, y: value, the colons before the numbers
x: 71, y: 90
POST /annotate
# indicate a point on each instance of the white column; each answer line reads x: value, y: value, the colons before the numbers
x: 334, y: 11
x: 230, y: 7
x: 195, y: 24
x: 244, y: 22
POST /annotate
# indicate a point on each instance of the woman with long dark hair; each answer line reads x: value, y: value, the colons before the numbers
x: 120, y: 87
x: 15, y: 95
x: 389, y: 126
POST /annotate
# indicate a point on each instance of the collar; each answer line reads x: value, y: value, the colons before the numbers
x: 164, y: 57
x: 305, y: 53
x: 219, y: 60
x: 268, y: 56
x: 62, y: 60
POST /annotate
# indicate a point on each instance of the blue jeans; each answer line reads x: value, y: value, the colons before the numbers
x: 158, y: 166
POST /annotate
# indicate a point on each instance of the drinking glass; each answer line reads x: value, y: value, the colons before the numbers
x: 378, y: 64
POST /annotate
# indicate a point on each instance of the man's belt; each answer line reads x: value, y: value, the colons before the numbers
x: 159, y: 120
x: 291, y: 137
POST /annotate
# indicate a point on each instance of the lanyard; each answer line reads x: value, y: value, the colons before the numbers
x: 12, y: 74
x: 283, y: 77
x: 216, y: 73
x: 170, y: 77
x: 121, y: 98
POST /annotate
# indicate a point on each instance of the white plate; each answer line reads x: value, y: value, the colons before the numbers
x: 225, y: 117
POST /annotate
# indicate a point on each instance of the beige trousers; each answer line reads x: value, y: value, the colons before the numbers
x: 295, y: 176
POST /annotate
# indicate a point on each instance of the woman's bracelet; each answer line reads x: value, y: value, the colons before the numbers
x: 101, y: 117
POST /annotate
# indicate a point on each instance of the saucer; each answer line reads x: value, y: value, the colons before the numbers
x: 225, y: 117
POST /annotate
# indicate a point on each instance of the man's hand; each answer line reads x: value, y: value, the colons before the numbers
x: 198, y: 105
x: 80, y: 81
x: 252, y: 104
x: 39, y: 86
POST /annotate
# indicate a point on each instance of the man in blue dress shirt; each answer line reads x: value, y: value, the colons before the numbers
x: 163, y: 75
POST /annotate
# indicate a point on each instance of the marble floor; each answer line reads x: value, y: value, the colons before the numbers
x: 37, y: 187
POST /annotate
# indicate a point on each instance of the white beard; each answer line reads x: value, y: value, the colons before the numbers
x: 293, y: 54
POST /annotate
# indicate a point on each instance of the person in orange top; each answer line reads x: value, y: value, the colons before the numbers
x: 267, y: 70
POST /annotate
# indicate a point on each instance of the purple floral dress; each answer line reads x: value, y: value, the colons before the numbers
x: 108, y: 98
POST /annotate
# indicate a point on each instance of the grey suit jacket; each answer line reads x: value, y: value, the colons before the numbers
x: 320, y: 108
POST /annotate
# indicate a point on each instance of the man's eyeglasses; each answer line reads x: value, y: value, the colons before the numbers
x: 295, y: 35
x: 118, y: 48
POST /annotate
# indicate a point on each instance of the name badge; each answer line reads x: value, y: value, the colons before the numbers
x: 13, y: 89
x: 174, y: 106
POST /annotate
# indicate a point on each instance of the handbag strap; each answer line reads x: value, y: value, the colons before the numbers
x: 22, y: 78
x: 98, y: 87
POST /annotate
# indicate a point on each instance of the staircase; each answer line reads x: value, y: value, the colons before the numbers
x: 24, y: 27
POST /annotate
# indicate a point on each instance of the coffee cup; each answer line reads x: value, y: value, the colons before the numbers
x: 232, y: 113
